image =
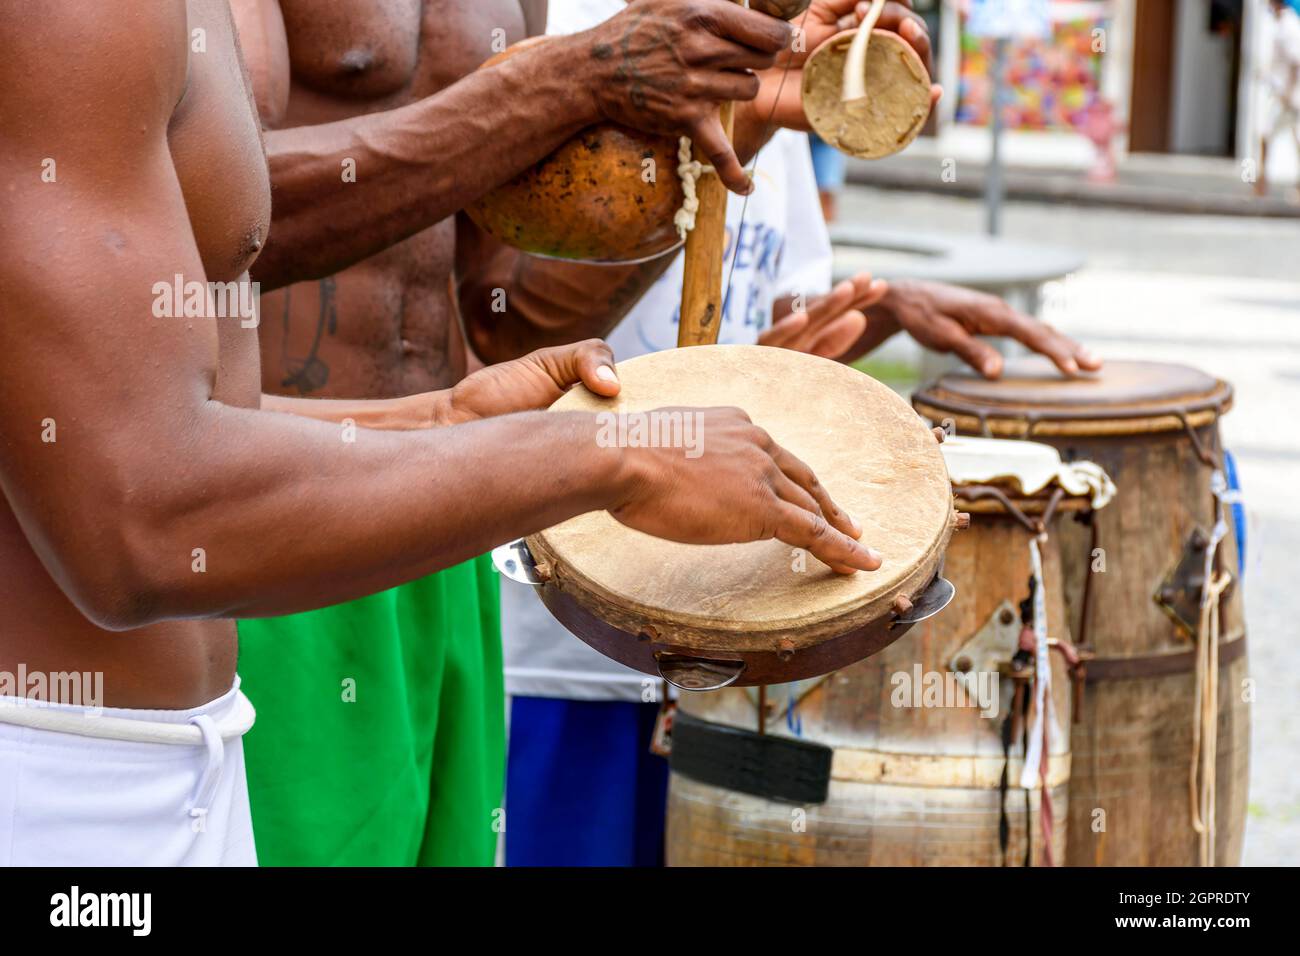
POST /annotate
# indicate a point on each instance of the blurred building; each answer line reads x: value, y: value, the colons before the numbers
x: 1181, y: 78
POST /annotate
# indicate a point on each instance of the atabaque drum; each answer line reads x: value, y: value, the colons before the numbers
x: 916, y: 756
x: 705, y: 616
x: 1152, y: 586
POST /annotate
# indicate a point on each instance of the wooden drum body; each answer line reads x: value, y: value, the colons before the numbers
x: 904, y: 785
x: 1154, y: 428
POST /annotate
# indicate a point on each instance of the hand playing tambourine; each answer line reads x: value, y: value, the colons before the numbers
x: 780, y: 101
x: 533, y: 381
x: 861, y: 313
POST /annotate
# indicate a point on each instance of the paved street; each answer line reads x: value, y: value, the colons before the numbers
x: 1222, y: 294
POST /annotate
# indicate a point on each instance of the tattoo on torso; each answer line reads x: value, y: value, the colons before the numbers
x: 309, y: 373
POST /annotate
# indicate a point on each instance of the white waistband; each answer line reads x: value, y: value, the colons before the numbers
x: 236, y: 717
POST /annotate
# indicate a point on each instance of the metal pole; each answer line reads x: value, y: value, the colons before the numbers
x: 993, y: 185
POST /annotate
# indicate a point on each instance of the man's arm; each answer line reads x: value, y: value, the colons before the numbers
x: 860, y: 315
x: 533, y: 382
x: 148, y: 466
x: 661, y: 65
x: 548, y: 302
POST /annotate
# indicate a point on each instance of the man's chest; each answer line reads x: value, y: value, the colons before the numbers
x: 216, y: 147
x: 361, y: 57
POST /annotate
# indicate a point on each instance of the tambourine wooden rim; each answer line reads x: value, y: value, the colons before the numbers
x: 829, y: 623
x: 979, y: 409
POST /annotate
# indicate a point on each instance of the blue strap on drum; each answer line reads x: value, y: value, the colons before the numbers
x: 1238, y: 507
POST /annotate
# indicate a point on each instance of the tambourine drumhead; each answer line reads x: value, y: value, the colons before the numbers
x: 1033, y: 397
x: 872, y: 452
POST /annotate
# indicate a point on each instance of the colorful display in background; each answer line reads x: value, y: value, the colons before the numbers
x: 1051, y: 84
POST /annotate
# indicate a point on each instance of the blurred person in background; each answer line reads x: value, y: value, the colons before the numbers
x: 1282, y: 79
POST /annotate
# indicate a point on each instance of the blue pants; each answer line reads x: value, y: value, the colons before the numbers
x: 582, y: 788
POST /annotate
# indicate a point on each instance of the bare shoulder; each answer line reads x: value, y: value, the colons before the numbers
x: 97, y: 61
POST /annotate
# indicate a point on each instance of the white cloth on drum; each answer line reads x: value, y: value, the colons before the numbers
x: 1027, y: 466
x: 85, y: 786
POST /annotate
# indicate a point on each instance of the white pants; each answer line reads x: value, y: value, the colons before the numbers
x: 126, y: 787
x: 1286, y: 119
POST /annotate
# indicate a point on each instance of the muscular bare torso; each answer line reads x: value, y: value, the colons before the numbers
x: 387, y: 326
x: 217, y: 151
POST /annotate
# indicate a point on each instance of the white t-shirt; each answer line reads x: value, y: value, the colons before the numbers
x: 783, y: 249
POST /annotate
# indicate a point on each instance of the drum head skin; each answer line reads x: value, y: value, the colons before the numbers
x: 874, y: 454
x: 1033, y: 396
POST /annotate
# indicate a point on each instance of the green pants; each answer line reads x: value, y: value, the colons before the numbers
x: 380, y: 734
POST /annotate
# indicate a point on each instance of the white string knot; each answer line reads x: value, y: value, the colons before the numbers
x: 689, y: 170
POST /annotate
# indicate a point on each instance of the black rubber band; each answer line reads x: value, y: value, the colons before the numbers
x: 761, y: 765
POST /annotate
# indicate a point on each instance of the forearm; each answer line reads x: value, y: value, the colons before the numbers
x: 425, y: 410
x: 291, y: 516
x: 346, y: 190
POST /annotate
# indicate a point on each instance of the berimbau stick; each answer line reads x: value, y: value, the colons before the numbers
x: 702, y: 282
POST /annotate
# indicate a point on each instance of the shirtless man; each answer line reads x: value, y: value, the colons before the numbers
x: 381, y: 272
x: 148, y: 498
x: 389, y: 87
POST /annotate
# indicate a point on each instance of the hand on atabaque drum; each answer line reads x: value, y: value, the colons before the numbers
x: 941, y: 317
x: 948, y: 318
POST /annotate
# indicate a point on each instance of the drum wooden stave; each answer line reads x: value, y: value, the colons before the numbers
x: 1148, y: 425
x: 759, y: 606
x: 909, y: 786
